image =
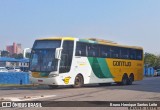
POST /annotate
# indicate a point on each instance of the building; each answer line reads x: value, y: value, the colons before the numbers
x: 14, y: 49
x: 23, y: 64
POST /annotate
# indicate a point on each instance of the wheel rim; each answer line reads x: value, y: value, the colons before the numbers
x: 124, y: 81
x: 77, y: 81
x: 130, y: 80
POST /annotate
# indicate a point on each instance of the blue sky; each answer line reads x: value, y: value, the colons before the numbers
x: 129, y: 22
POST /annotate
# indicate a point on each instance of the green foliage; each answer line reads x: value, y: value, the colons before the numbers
x: 17, y: 56
x: 4, y: 53
x: 28, y: 55
x: 152, y: 60
x: 7, y: 54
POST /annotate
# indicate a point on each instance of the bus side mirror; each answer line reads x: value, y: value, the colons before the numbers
x: 25, y: 51
x: 58, y: 53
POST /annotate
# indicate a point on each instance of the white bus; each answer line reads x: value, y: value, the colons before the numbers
x: 74, y: 61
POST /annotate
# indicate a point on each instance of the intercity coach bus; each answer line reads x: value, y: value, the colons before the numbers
x: 72, y: 61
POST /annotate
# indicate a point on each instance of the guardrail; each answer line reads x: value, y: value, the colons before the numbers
x: 14, y: 78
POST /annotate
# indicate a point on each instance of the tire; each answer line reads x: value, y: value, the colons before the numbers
x: 130, y: 79
x: 53, y: 86
x: 78, y: 81
x: 124, y: 79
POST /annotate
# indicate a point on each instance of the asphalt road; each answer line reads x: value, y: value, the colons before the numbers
x: 145, y: 90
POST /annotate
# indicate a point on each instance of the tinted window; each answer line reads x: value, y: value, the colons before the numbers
x: 66, y: 57
x: 41, y: 44
x: 81, y: 49
x: 105, y: 51
x: 92, y: 50
x: 132, y: 54
x: 139, y: 54
x: 124, y: 53
x: 115, y: 52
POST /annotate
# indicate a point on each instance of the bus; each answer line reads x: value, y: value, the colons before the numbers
x: 73, y: 61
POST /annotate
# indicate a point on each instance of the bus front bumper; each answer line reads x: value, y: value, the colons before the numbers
x: 44, y: 81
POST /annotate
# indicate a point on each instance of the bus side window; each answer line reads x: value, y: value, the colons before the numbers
x: 104, y: 51
x: 92, y: 50
x: 124, y: 53
x: 138, y: 54
x: 132, y: 54
x: 80, y: 49
x: 115, y: 52
x: 104, y: 54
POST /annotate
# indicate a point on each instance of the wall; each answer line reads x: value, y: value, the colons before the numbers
x: 149, y: 71
x: 14, y: 78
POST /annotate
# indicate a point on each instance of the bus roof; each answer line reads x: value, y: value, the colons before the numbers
x: 92, y: 40
x: 57, y: 38
x: 112, y: 43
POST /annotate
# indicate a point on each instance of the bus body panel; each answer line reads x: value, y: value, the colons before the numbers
x: 82, y: 66
x: 93, y: 69
x: 120, y: 66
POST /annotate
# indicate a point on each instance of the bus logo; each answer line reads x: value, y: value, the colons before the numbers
x: 121, y: 63
x: 6, y: 104
x: 66, y: 79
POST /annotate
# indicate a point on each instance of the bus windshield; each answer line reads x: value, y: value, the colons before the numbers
x: 43, y: 56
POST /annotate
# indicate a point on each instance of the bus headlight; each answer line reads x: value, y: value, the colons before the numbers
x: 52, y: 75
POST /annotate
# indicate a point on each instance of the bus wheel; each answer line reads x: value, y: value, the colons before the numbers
x: 130, y: 79
x: 124, y: 79
x: 78, y: 81
x: 53, y: 86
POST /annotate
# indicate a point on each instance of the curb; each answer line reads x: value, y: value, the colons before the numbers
x: 17, y: 86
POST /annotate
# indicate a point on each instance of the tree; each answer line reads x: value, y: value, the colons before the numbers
x: 17, y: 56
x: 28, y: 55
x: 4, y: 53
x: 157, y: 62
x: 14, y: 55
x: 152, y: 60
